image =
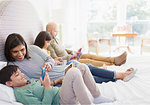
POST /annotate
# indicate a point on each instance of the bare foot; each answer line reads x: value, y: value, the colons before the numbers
x: 123, y: 75
x: 128, y: 72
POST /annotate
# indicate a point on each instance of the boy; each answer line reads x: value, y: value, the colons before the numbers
x: 73, y: 86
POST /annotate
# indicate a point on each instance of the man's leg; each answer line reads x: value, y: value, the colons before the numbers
x: 119, y: 60
x: 97, y: 58
x: 94, y: 62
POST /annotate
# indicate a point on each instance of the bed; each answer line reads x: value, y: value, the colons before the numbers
x: 19, y: 16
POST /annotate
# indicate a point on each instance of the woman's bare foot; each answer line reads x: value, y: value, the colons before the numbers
x: 123, y: 75
x: 128, y: 72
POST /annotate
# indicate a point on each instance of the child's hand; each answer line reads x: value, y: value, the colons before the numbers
x: 79, y: 50
x: 48, y: 66
x: 74, y: 55
x: 46, y: 82
x: 59, y: 59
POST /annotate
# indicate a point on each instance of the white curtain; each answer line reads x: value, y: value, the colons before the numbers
x: 74, y: 24
x: 72, y: 15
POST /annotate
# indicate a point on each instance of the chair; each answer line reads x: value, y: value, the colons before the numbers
x: 94, y: 41
x: 145, y: 42
x: 108, y: 40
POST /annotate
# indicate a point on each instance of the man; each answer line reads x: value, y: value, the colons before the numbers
x: 57, y: 50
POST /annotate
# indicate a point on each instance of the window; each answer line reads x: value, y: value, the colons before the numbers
x: 102, y: 16
x: 138, y: 15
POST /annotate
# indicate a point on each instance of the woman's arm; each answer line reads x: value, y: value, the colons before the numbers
x: 44, y: 56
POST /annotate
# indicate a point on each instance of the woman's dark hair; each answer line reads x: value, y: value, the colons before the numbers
x: 12, y: 41
x: 6, y: 73
x: 41, y: 38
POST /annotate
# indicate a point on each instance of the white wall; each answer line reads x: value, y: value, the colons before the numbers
x: 68, y: 13
x: 43, y: 8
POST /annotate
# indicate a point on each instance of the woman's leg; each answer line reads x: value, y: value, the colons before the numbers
x: 73, y: 87
x: 96, y: 71
x: 102, y: 75
x: 101, y: 80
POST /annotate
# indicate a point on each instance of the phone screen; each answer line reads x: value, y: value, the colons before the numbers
x: 43, y: 72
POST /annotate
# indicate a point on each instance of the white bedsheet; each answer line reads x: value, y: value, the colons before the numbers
x: 134, y: 92
x: 9, y: 103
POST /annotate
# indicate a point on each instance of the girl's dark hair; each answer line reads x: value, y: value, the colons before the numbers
x: 41, y: 38
x: 6, y: 73
x: 12, y: 41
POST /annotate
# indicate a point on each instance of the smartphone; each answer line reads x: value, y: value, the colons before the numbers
x: 79, y: 54
x: 69, y: 66
x: 43, y: 72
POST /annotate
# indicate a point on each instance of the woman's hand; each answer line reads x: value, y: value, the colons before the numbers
x: 48, y: 66
x: 46, y: 82
x: 57, y: 61
x: 56, y: 82
x: 59, y: 81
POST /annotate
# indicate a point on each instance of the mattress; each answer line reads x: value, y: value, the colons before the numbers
x: 134, y: 92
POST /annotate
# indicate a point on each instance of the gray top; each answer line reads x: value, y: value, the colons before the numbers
x: 32, y: 67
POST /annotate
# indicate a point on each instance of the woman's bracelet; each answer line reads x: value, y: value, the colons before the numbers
x: 54, y: 83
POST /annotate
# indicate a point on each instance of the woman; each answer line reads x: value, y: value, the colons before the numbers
x: 100, y: 75
x: 30, y: 59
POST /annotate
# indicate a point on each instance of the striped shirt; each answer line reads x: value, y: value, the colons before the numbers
x: 32, y: 67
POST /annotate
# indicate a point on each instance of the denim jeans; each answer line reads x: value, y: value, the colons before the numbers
x: 102, y: 75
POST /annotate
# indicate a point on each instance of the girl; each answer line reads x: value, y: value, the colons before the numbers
x: 100, y: 75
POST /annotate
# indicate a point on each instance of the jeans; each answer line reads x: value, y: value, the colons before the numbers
x: 100, y: 75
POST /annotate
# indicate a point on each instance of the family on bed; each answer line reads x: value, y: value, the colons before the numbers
x: 26, y: 62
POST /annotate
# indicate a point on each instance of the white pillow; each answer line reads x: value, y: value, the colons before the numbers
x: 6, y: 93
x: 2, y: 64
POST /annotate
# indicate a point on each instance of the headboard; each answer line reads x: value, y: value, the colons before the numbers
x: 18, y: 16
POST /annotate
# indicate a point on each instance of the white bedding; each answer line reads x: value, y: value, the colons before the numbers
x: 134, y: 92
x: 9, y: 103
